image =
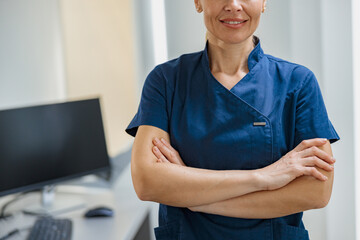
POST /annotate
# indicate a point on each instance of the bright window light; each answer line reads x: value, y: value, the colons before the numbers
x: 159, y: 31
x: 356, y: 81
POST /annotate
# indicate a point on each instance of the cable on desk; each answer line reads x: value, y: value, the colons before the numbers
x: 54, y: 213
x: 13, y: 232
x: 19, y: 196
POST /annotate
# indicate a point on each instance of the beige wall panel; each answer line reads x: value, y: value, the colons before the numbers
x: 99, y: 60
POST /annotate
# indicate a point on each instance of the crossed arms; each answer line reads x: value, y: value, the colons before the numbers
x: 271, y: 192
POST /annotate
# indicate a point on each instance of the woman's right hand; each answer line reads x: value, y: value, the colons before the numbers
x: 301, y: 161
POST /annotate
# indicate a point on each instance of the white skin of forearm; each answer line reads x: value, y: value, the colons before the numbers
x: 174, y: 184
x: 181, y: 186
x: 302, y: 194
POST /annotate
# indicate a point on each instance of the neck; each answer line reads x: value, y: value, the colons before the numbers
x: 229, y: 58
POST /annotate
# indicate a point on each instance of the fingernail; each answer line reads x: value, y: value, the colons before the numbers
x: 333, y: 159
x: 325, y: 178
x: 157, y: 140
x: 163, y: 140
x: 324, y: 139
x: 156, y: 149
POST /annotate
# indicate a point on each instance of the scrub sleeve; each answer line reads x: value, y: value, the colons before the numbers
x: 153, y: 108
x: 311, y: 116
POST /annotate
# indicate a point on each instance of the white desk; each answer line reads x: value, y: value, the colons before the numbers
x: 130, y: 212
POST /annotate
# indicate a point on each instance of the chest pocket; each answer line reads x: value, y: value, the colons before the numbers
x: 223, y: 133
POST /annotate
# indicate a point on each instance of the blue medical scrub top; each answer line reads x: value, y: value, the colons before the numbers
x: 265, y: 115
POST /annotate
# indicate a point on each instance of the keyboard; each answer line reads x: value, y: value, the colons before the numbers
x: 47, y: 228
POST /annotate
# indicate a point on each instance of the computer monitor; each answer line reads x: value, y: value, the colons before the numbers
x: 47, y: 144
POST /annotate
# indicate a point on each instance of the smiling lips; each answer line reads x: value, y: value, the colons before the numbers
x: 233, y: 22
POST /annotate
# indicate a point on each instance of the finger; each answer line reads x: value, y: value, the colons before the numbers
x: 315, y: 151
x: 169, y: 155
x: 312, y: 171
x: 175, y: 156
x: 159, y: 155
x: 317, y: 142
x: 315, y: 161
x: 156, y: 152
x: 167, y: 144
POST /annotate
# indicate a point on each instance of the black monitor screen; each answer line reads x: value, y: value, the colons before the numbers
x: 45, y: 144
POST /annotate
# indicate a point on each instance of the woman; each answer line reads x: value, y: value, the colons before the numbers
x: 233, y: 143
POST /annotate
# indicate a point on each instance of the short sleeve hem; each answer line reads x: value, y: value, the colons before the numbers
x: 153, y: 108
x: 146, y: 120
x: 326, y: 131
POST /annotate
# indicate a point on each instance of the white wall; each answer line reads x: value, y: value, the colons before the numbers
x: 143, y: 39
x: 31, y: 61
x: 356, y: 92
x: 274, y: 29
x: 305, y: 33
x: 338, y: 92
x: 185, y: 28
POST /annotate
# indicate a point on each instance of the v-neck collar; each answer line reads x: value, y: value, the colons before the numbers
x: 254, y: 57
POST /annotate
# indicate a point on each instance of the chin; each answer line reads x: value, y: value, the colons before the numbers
x: 234, y: 40
x: 231, y: 37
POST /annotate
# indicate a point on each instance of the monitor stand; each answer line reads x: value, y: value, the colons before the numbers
x: 51, y: 206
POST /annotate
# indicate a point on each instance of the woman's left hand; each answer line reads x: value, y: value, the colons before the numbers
x: 165, y: 152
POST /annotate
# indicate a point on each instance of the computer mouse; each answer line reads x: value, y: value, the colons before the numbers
x: 99, y: 212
